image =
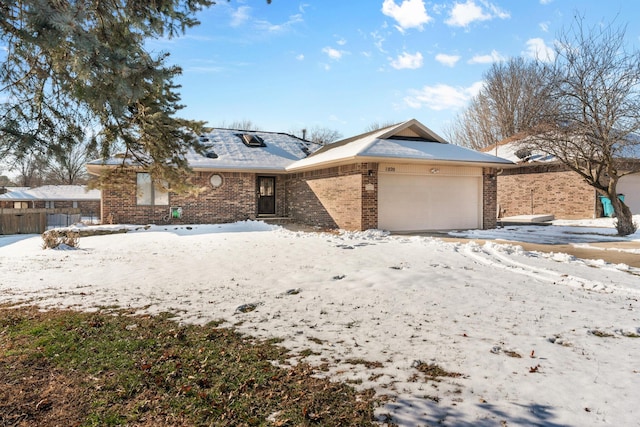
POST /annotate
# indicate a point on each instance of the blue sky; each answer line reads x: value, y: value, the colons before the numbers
x: 345, y: 64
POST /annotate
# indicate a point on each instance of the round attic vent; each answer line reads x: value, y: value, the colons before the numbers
x: 215, y: 180
x: 211, y: 155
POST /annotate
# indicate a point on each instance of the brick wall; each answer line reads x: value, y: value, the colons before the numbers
x: 339, y: 197
x: 234, y: 200
x: 343, y: 197
x: 489, y: 198
x: 545, y: 189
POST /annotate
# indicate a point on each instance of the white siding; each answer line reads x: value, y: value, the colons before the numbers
x: 630, y: 186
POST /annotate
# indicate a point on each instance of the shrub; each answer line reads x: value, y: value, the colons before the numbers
x: 52, y: 239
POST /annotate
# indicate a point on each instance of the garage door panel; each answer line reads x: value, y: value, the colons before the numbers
x: 413, y: 202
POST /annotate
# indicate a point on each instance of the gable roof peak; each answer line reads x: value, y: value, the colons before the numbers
x: 412, y: 129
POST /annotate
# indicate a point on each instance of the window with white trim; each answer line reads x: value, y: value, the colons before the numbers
x: 149, y: 193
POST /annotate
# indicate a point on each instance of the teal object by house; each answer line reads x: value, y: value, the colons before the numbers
x: 607, y: 207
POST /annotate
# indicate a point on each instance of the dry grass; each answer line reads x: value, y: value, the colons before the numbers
x: 112, y: 368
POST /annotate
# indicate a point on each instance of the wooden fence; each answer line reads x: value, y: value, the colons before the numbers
x: 34, y: 221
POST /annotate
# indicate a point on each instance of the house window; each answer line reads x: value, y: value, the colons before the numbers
x: 75, y: 204
x: 149, y: 193
x: 49, y: 204
x: 20, y: 205
x: 251, y: 140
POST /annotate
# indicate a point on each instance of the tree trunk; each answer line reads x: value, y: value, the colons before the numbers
x: 624, y: 218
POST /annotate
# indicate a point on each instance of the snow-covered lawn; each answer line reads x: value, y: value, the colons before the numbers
x: 538, y: 338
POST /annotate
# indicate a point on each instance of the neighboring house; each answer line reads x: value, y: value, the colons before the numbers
x: 53, y: 197
x: 542, y: 185
x: 400, y: 178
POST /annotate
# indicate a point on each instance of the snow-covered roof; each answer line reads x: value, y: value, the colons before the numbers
x: 52, y: 192
x: 227, y: 151
x: 518, y: 149
x: 280, y: 152
x: 408, y: 141
x: 510, y: 149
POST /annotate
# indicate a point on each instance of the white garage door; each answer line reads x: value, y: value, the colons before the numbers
x: 427, y: 202
x: 630, y: 186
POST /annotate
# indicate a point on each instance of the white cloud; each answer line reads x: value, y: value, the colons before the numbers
x: 544, y: 26
x: 474, y: 89
x: 409, y: 14
x: 545, y: 1
x: 240, y: 16
x: 496, y: 12
x: 341, y: 42
x: 407, y: 61
x: 278, y: 28
x: 332, y: 53
x: 448, y: 60
x: 300, y: 57
x: 494, y: 56
x: 538, y: 49
x: 441, y: 97
x: 463, y: 14
x: 378, y: 40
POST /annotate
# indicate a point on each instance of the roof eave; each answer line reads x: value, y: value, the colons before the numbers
x: 264, y: 170
x: 374, y: 159
x: 95, y: 169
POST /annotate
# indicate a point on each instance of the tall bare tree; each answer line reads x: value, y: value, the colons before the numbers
x: 509, y: 102
x: 68, y: 166
x: 594, y: 123
x: 31, y: 168
x: 379, y: 125
x: 474, y: 127
x: 244, y: 124
x: 322, y: 135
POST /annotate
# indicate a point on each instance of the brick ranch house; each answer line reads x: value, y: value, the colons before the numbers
x: 542, y: 185
x: 53, y: 197
x: 400, y: 178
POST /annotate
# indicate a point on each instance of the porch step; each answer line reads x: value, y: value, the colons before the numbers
x: 278, y: 220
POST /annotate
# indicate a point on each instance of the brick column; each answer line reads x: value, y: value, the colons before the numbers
x: 489, y: 198
x: 369, y: 196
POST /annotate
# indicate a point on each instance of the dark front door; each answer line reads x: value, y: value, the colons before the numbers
x: 266, y: 195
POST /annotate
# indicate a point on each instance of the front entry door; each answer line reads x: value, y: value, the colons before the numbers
x: 266, y: 195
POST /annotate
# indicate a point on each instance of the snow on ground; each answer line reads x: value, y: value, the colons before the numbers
x: 576, y: 232
x: 538, y: 338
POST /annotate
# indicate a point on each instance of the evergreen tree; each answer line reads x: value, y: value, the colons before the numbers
x: 69, y: 61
